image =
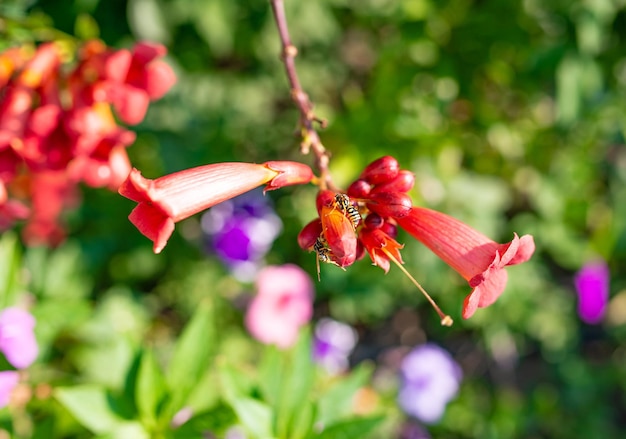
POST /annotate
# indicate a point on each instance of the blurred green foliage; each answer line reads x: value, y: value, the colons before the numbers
x: 512, y: 116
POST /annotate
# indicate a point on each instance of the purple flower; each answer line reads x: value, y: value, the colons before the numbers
x: 8, y: 381
x: 430, y: 379
x: 332, y: 344
x: 592, y: 285
x: 17, y: 339
x: 241, y: 232
x: 411, y: 430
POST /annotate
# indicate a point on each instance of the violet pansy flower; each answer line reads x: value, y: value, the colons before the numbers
x: 430, y: 379
x: 592, y: 286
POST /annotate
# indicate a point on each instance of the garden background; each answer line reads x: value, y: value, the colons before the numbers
x: 511, y: 114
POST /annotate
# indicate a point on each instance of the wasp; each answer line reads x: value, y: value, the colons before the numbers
x: 343, y: 203
x: 323, y: 253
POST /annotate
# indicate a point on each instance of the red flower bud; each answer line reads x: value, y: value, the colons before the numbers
x: 382, y: 170
x: 359, y: 189
x: 390, y: 204
x: 373, y: 221
x: 403, y: 182
x: 309, y: 234
x: 390, y: 229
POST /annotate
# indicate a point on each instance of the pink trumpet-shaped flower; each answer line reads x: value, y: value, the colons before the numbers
x: 477, y: 258
x: 174, y: 197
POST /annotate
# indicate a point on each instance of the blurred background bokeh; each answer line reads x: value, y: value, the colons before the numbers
x: 511, y: 114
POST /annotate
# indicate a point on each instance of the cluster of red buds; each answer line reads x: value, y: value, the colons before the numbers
x: 57, y: 125
x: 366, y: 219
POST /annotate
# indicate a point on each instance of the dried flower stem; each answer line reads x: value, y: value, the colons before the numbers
x: 310, y: 138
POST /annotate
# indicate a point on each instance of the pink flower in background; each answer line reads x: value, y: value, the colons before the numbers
x: 17, y: 339
x: 592, y: 286
x: 284, y: 303
x: 8, y: 380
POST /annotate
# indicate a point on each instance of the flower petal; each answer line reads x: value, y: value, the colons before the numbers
x: 153, y: 223
x: 8, y: 381
x: 17, y: 339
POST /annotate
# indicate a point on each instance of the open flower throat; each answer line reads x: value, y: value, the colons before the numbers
x: 367, y: 217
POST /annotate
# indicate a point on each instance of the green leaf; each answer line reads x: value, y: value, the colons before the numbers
x: 303, y: 421
x: 91, y: 406
x: 127, y: 430
x: 255, y: 416
x: 191, y: 357
x: 271, y: 374
x: 297, y: 383
x: 86, y: 27
x: 150, y: 387
x: 337, y: 401
x: 216, y: 421
x: 58, y: 274
x: 352, y: 428
x: 234, y: 383
x: 9, y: 264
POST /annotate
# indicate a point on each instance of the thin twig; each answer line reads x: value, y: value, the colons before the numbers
x: 310, y: 138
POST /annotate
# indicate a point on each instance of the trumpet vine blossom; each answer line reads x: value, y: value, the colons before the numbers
x: 174, y: 197
x: 478, y: 259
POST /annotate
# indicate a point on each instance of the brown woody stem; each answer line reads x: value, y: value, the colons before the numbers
x: 310, y: 139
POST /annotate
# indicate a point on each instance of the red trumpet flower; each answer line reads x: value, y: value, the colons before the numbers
x: 477, y: 258
x: 174, y: 197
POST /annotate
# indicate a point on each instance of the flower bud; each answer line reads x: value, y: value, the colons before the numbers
x: 309, y: 234
x: 403, y: 182
x: 390, y: 204
x: 382, y: 170
x: 390, y: 229
x: 359, y: 189
x: 374, y: 221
